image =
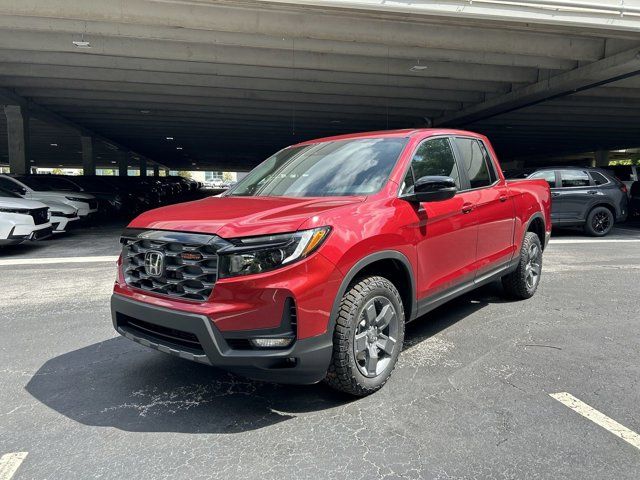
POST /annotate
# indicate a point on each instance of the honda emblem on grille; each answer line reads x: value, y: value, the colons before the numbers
x: 154, y: 263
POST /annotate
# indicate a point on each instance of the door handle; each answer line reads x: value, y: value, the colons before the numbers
x: 467, y: 207
x: 555, y: 194
x: 502, y: 198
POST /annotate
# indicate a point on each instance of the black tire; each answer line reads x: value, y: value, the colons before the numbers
x: 354, y: 372
x: 524, y: 281
x: 599, y: 222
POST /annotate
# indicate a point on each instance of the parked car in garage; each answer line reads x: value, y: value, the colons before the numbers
x: 108, y: 200
x: 31, y: 188
x: 634, y: 200
x: 22, y: 220
x: 587, y: 197
x: 63, y: 216
x: 309, y: 268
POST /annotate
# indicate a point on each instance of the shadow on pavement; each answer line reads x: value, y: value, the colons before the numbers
x: 120, y: 384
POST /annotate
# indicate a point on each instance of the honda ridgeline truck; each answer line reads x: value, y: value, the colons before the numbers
x: 309, y: 268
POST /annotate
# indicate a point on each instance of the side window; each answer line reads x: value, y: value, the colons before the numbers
x: 474, y: 160
x: 548, y: 175
x: 574, y: 178
x: 433, y: 157
x: 599, y: 179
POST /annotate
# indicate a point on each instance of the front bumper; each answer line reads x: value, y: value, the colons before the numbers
x: 304, y: 362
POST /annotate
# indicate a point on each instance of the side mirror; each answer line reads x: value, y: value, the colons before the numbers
x: 22, y: 191
x: 433, y: 188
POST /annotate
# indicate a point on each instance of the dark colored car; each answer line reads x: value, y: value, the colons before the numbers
x: 585, y: 196
x: 634, y: 202
x: 309, y: 268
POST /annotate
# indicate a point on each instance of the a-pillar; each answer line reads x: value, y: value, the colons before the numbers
x: 123, y: 164
x: 88, y: 160
x: 143, y: 167
x: 18, y: 138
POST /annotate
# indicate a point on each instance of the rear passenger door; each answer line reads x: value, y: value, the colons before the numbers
x: 494, y: 209
x: 574, y: 195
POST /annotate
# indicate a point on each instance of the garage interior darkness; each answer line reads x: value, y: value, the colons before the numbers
x: 182, y: 85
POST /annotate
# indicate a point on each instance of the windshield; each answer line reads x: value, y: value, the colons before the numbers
x: 7, y: 193
x: 339, y: 168
x: 35, y: 183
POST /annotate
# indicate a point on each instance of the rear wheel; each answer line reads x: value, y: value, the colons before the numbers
x: 523, y: 282
x: 599, y: 222
x: 368, y: 337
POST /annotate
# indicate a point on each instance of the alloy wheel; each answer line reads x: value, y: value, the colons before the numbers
x: 375, y: 336
x: 534, y: 266
x: 601, y: 222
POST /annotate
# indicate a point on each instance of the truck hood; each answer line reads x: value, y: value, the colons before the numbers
x: 9, y: 202
x: 59, y: 196
x: 60, y: 207
x: 231, y: 217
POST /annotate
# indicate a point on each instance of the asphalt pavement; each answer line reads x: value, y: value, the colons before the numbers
x: 471, y: 397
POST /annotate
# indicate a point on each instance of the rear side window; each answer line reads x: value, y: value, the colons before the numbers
x: 476, y: 162
x: 433, y: 157
x: 548, y: 175
x: 574, y: 178
x: 599, y: 179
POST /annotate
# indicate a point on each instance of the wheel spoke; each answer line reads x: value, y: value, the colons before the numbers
x: 386, y: 315
x: 370, y: 313
x: 372, y: 360
x: 386, y: 344
x: 361, y: 342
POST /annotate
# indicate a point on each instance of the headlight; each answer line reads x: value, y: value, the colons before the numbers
x: 77, y: 199
x: 261, y: 254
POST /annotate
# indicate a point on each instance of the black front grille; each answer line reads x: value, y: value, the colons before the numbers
x: 189, y: 265
x: 93, y: 204
x: 65, y: 215
x: 40, y: 215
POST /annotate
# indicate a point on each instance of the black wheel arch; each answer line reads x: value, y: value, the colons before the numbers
x: 537, y: 225
x: 409, y: 298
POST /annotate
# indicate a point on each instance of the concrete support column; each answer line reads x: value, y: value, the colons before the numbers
x: 123, y: 164
x: 18, y: 138
x: 88, y: 160
x: 156, y: 171
x: 166, y: 172
x: 602, y: 158
x: 143, y: 167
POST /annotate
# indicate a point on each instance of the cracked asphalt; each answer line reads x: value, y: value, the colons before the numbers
x: 469, y: 398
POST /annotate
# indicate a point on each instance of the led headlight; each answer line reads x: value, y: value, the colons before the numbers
x: 261, y: 254
x: 77, y: 199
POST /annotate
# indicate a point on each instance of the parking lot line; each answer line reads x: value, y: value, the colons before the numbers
x: 598, y: 418
x: 9, y: 464
x: 46, y: 261
x: 594, y: 240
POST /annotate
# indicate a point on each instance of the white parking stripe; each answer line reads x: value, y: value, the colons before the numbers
x: 598, y: 418
x: 49, y: 261
x: 9, y: 464
x: 594, y: 240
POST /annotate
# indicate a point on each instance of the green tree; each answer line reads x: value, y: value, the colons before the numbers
x: 184, y: 173
x: 228, y: 176
x: 57, y: 171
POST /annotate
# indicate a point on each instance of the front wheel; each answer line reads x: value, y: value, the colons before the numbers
x: 368, y: 337
x: 523, y: 282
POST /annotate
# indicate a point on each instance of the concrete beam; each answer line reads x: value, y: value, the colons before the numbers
x: 88, y: 160
x: 18, y: 144
x: 604, y: 71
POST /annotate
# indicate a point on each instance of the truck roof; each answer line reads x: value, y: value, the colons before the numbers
x: 401, y: 133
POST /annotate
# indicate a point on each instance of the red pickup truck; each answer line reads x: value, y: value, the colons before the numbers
x: 309, y: 268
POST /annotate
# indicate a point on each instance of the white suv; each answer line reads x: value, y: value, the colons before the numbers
x: 22, y: 220
x: 29, y: 187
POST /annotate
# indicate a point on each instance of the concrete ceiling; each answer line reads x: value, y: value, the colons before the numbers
x: 234, y: 81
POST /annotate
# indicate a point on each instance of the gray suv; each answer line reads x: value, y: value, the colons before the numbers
x: 588, y: 197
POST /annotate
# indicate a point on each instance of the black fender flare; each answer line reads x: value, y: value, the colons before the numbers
x: 537, y: 215
x: 353, y: 272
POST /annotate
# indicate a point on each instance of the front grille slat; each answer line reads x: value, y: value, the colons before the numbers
x: 189, y: 279
x: 39, y: 215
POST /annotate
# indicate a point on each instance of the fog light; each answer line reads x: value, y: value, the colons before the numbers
x: 271, y: 342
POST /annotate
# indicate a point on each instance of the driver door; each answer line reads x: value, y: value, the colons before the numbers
x: 446, y: 232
